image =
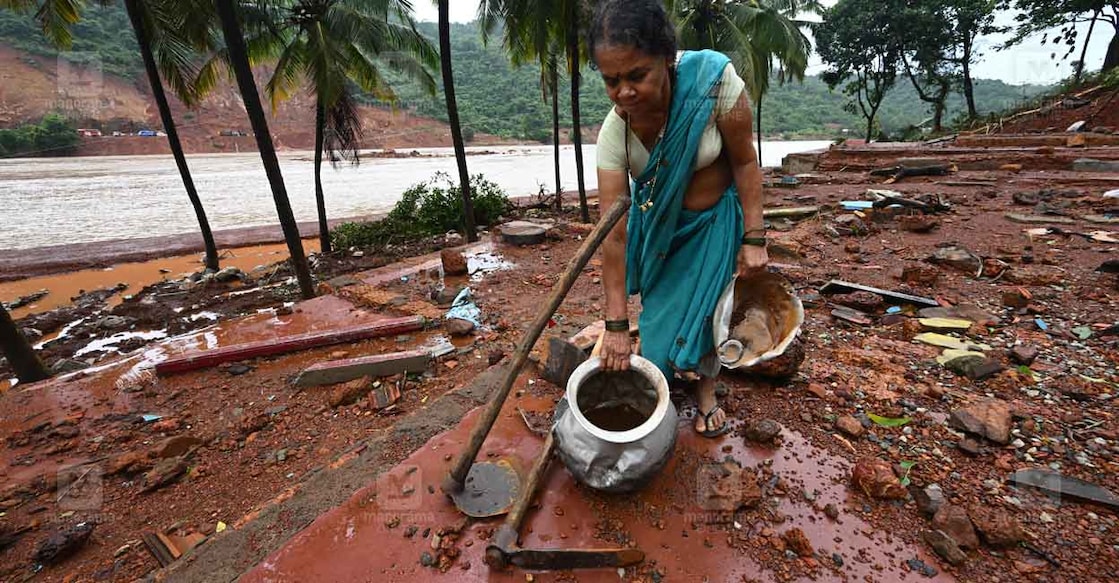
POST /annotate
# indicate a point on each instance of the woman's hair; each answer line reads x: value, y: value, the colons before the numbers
x: 640, y: 24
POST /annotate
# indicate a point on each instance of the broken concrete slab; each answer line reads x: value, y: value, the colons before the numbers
x: 836, y: 286
x: 284, y: 344
x: 1093, y: 165
x: 523, y: 233
x: 1064, y: 486
x: 1038, y: 219
x: 378, y: 365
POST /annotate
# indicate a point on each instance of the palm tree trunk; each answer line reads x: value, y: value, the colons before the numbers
x: 15, y: 346
x: 238, y: 56
x: 320, y: 200
x: 969, y: 87
x: 1111, y: 59
x: 759, y: 131
x: 576, y: 128
x: 135, y: 12
x: 452, y: 117
x: 1084, y: 51
x: 553, y: 80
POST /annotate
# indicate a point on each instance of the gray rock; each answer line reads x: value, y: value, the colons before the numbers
x: 929, y: 500
x: 229, y: 274
x: 945, y: 547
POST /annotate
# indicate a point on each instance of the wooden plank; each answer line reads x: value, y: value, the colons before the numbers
x: 284, y: 344
x: 836, y: 286
x: 378, y: 365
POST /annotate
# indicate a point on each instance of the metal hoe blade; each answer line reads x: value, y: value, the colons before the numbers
x: 490, y: 489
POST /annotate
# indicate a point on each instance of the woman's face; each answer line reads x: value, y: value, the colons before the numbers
x: 635, y: 80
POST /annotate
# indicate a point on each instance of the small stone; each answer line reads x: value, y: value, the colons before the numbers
x: 831, y: 511
x: 238, y: 369
x: 876, y: 478
x: 919, y: 566
x: 918, y: 223
x: 989, y: 418
x: 954, y: 522
x: 458, y: 326
x: 454, y: 263
x: 1023, y: 354
x: 920, y: 274
x: 945, y: 547
x: 970, y: 446
x: 426, y: 559
x: 763, y: 431
x: 997, y: 527
x: 798, y: 543
x: 929, y: 499
x: 849, y: 425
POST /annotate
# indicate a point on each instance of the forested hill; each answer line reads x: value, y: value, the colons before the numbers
x: 496, y: 98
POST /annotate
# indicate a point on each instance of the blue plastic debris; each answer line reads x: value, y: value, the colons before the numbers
x: 1041, y: 324
x: 463, y: 308
x: 149, y: 417
x: 893, y: 310
x: 857, y: 205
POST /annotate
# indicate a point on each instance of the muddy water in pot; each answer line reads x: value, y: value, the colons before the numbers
x: 617, y: 400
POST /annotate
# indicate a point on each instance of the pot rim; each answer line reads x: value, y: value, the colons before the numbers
x: 637, y: 363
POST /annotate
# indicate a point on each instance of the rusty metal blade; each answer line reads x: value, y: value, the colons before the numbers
x: 558, y: 559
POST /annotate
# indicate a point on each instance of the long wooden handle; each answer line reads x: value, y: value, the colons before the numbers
x: 457, y: 476
x: 505, y: 539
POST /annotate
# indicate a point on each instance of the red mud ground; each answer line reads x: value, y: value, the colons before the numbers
x: 1064, y: 414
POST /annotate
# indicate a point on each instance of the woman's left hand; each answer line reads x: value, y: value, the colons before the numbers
x: 751, y: 258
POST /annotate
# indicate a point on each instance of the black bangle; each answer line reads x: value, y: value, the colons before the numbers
x: 755, y: 241
x: 617, y: 325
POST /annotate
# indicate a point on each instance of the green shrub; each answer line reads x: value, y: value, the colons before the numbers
x: 429, y: 208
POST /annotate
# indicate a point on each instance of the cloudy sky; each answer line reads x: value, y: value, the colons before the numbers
x: 1025, y: 63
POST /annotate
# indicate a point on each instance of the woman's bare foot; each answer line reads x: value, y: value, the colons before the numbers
x: 711, y: 420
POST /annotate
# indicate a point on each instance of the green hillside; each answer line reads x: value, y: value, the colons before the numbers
x: 498, y: 99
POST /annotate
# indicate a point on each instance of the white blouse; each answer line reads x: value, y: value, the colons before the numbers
x: 611, y: 145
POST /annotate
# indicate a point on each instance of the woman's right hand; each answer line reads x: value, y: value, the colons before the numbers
x: 616, y: 348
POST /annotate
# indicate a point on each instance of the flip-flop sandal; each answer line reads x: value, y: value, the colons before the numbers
x: 725, y: 427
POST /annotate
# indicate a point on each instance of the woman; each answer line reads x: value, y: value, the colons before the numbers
x: 681, y: 129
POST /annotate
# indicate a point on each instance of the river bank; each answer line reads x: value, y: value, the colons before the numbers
x: 273, y: 473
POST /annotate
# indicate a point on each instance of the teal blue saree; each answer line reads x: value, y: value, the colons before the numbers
x: 678, y: 260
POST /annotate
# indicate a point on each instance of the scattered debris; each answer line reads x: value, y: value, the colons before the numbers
x: 945, y: 547
x: 61, y: 544
x: 379, y: 365
x: 283, y: 344
x: 167, y: 548
x: 958, y: 258
x: 836, y: 286
x: 726, y: 487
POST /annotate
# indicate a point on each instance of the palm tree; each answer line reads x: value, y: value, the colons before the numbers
x: 572, y: 11
x: 333, y: 43
x: 753, y: 33
x: 151, y: 23
x: 452, y: 117
x: 15, y: 346
x: 532, y: 32
x: 163, y: 50
x: 238, y: 58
